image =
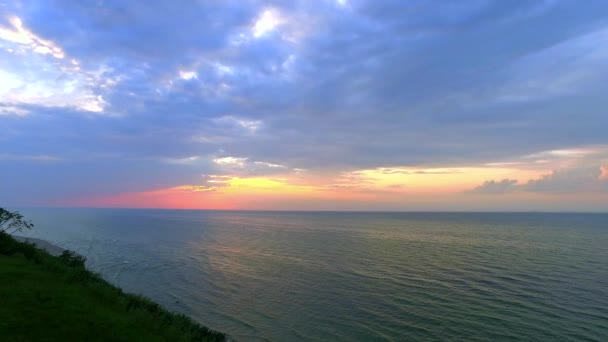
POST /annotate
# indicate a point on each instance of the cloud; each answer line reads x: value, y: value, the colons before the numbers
x: 412, y: 87
x: 188, y: 75
x: 389, y: 171
x: 7, y: 109
x: 39, y: 158
x: 586, y: 179
x: 238, y: 166
x: 603, y: 172
x: 231, y: 161
x: 496, y: 187
x: 185, y: 161
x: 267, y: 21
x: 196, y: 188
x: 250, y: 126
x: 18, y: 33
x: 35, y: 71
x: 564, y: 181
x: 533, y: 77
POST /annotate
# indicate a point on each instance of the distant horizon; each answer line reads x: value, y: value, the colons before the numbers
x: 325, y: 211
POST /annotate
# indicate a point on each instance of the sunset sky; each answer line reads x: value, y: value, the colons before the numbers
x: 305, y: 105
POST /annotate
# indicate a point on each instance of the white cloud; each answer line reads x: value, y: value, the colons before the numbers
x: 251, y: 126
x: 571, y: 153
x: 241, y: 166
x: 217, y: 180
x: 231, y: 161
x: 564, y: 154
x: 267, y: 22
x: 92, y: 104
x: 50, y: 89
x: 185, y: 161
x: 188, y: 75
x: 501, y: 164
x: 197, y: 188
x: 556, y: 159
x: 18, y: 33
x: 33, y: 71
x: 270, y: 165
x: 223, y: 69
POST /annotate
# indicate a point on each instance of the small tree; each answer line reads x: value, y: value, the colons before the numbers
x: 12, y: 222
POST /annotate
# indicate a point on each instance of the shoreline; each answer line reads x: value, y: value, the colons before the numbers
x: 50, y: 248
x: 71, y: 302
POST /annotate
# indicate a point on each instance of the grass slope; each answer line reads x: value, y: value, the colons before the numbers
x: 48, y: 298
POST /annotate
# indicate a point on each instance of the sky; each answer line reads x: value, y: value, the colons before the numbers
x: 407, y: 105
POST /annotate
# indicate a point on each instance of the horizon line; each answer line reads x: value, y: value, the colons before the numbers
x: 330, y: 211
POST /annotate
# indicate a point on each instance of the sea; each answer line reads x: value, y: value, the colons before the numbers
x: 354, y: 276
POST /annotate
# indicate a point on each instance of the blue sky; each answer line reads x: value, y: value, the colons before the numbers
x: 103, y: 98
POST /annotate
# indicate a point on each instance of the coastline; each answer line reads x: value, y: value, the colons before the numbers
x: 70, y: 302
x: 50, y: 248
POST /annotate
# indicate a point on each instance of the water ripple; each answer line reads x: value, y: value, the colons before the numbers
x: 267, y: 276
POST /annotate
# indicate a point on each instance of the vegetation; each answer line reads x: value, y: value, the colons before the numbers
x: 12, y: 222
x: 48, y: 298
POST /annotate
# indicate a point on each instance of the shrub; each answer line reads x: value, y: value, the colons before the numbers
x: 12, y: 222
x: 72, y: 259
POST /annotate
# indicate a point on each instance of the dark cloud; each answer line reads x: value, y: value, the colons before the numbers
x: 496, y: 187
x: 568, y: 180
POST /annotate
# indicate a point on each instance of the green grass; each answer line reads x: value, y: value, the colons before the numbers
x: 48, y: 298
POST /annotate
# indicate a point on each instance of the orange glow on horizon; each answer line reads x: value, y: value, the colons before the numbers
x: 372, y: 185
x: 440, y: 180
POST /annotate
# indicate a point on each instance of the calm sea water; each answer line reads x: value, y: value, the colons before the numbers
x: 282, y: 276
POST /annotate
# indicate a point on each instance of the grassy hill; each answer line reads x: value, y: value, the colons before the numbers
x: 52, y: 298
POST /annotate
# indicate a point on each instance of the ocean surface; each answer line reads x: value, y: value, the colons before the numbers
x: 319, y: 276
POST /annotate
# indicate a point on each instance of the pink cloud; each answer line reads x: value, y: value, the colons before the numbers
x: 603, y: 172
